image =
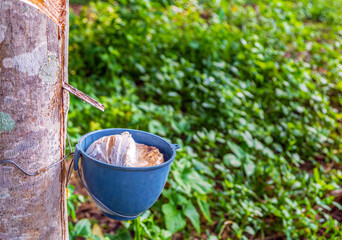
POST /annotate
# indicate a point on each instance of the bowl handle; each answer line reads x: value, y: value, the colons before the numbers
x: 175, y: 146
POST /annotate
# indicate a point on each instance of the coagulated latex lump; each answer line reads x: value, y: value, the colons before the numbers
x: 122, y: 150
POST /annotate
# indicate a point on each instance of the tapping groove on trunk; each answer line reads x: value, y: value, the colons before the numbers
x: 56, y: 10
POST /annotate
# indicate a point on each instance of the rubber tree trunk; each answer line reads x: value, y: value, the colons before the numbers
x: 33, y: 114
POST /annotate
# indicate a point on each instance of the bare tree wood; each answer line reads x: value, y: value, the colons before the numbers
x: 83, y: 96
x: 33, y: 114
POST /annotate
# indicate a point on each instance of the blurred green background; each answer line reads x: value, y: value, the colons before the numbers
x: 251, y: 91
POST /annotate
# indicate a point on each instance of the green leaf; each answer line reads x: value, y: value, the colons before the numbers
x: 250, y: 230
x: 317, y: 176
x: 71, y: 210
x: 179, y: 198
x: 236, y: 150
x: 95, y: 237
x: 194, y: 44
x: 179, y: 178
x: 191, y: 212
x: 231, y: 160
x: 166, y: 234
x: 249, y: 167
x: 174, y: 220
x: 197, y: 183
x: 336, y: 204
x: 145, y: 215
x: 205, y: 209
x: 120, y: 234
x: 268, y: 139
x: 146, y: 230
x: 248, y: 139
x: 156, y: 127
x: 71, y: 189
x: 212, y: 237
x: 202, y: 167
x: 83, y: 228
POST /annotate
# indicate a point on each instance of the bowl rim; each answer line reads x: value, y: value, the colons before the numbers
x: 125, y: 168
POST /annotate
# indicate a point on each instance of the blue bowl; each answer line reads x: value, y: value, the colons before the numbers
x: 123, y: 193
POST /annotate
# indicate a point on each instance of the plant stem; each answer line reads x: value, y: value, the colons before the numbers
x: 137, y: 229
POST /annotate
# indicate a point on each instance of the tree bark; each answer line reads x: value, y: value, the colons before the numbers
x: 33, y: 114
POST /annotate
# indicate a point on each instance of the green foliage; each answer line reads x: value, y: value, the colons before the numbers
x: 74, y: 200
x: 250, y: 90
x: 79, y: 1
x: 85, y: 228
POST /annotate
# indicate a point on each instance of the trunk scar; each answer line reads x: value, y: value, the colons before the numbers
x: 54, y: 9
